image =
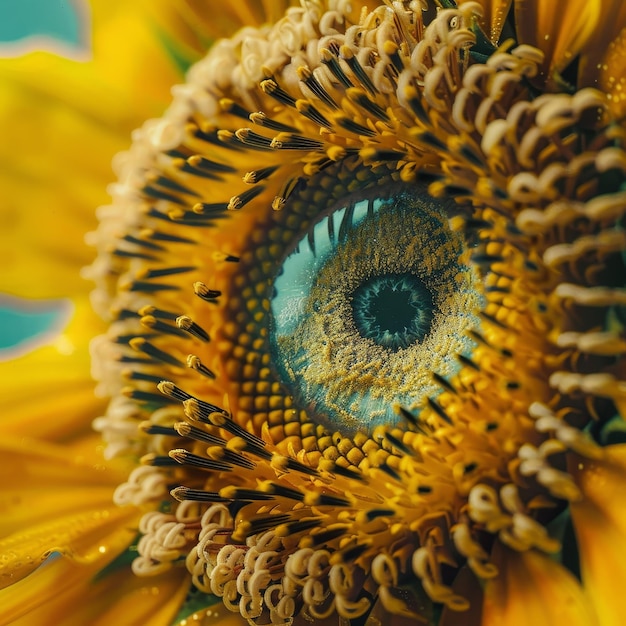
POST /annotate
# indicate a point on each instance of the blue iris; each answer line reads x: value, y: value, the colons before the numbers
x: 371, y: 302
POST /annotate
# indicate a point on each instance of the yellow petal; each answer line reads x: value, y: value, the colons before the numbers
x: 613, y: 73
x: 560, y: 29
x: 600, y: 524
x: 81, y: 536
x: 234, y: 15
x: 218, y: 614
x: 64, y: 593
x: 606, y: 41
x: 62, y: 122
x: 54, y: 167
x: 49, y: 393
x: 59, y: 499
x: 532, y: 589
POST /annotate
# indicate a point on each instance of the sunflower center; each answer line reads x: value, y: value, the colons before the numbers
x: 370, y: 408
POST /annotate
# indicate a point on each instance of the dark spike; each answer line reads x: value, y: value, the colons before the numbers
x: 360, y: 97
x: 376, y: 513
x: 357, y: 69
x: 184, y: 457
x: 140, y: 344
x: 493, y: 320
x: 149, y: 321
x: 392, y: 50
x: 282, y: 491
x: 474, y: 334
x: 135, y: 375
x: 347, y: 473
x: 195, y: 363
x: 254, y: 140
x: 399, y: 445
x: 158, y: 460
x: 155, y: 429
x: 159, y: 194
x: 261, y: 119
x: 184, y: 166
x: 261, y: 524
x: 327, y: 499
x: 437, y: 408
x: 349, y: 555
x: 208, y: 295
x: 168, y: 271
x: 470, y: 154
x: 296, y: 466
x: 230, y: 106
x: 160, y: 313
x: 193, y: 432
x: 143, y: 243
x: 168, y: 183
x: 354, y: 127
x: 308, y: 78
x: 126, y: 339
x: 135, y: 360
x: 306, y: 109
x: 290, y: 141
x: 443, y: 382
x: 196, y: 495
x: 213, y: 136
x: 256, y: 176
x: 141, y: 285
x: 239, y: 493
x: 147, y: 396
x: 210, y: 209
x: 272, y: 89
x: 203, y: 163
x: 416, y: 106
x: 331, y: 61
x: 467, y: 361
x: 413, y: 420
x: 326, y: 536
x: 389, y: 471
x: 187, y: 324
x: 346, y: 222
x: 240, y: 200
x: 124, y: 314
x: 431, y: 140
x: 127, y: 254
x: 303, y: 525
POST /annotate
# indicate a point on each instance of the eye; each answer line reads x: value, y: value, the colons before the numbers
x: 374, y: 298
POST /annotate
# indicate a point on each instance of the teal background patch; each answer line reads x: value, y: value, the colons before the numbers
x: 60, y: 21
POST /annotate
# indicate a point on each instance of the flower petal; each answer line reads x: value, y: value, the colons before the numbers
x: 600, y: 524
x: 59, y: 500
x: 62, y: 123
x: 219, y: 614
x: 48, y: 393
x: 65, y: 594
x: 560, y: 29
x: 606, y: 39
x: 533, y: 589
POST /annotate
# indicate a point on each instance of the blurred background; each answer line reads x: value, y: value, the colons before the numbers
x: 61, y: 27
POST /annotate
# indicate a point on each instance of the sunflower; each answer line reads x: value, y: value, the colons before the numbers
x: 359, y: 317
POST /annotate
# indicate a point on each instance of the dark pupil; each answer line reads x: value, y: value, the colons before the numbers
x: 394, y: 310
